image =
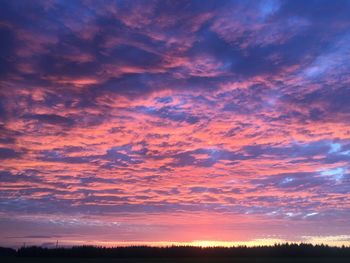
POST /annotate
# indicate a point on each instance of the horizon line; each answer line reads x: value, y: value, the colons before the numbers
x: 166, y: 244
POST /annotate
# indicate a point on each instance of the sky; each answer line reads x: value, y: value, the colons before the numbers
x: 174, y: 122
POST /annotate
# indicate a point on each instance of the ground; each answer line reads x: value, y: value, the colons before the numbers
x: 175, y: 260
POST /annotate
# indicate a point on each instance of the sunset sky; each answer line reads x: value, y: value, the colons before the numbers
x: 174, y: 122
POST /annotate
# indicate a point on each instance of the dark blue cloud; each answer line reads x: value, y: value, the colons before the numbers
x: 291, y: 151
x: 170, y: 112
x: 199, y: 189
x: 8, y: 153
x: 116, y: 156
x: 7, y: 48
x: 211, y: 157
x: 50, y: 119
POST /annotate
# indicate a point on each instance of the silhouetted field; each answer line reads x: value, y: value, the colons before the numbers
x: 176, y: 260
x: 187, y: 254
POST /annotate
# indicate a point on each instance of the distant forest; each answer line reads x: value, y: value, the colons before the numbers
x: 278, y: 250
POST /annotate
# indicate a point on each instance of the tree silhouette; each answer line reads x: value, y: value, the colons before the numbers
x: 278, y: 250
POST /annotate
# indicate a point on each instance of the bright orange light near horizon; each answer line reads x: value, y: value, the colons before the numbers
x: 212, y: 243
x: 336, y: 241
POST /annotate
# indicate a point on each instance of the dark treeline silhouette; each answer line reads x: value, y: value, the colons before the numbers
x: 7, y: 252
x: 278, y: 250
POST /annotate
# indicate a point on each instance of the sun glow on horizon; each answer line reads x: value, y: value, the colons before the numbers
x: 336, y: 241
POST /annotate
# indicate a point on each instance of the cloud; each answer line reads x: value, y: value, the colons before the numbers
x: 7, y: 153
x: 51, y: 119
x: 139, y: 120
